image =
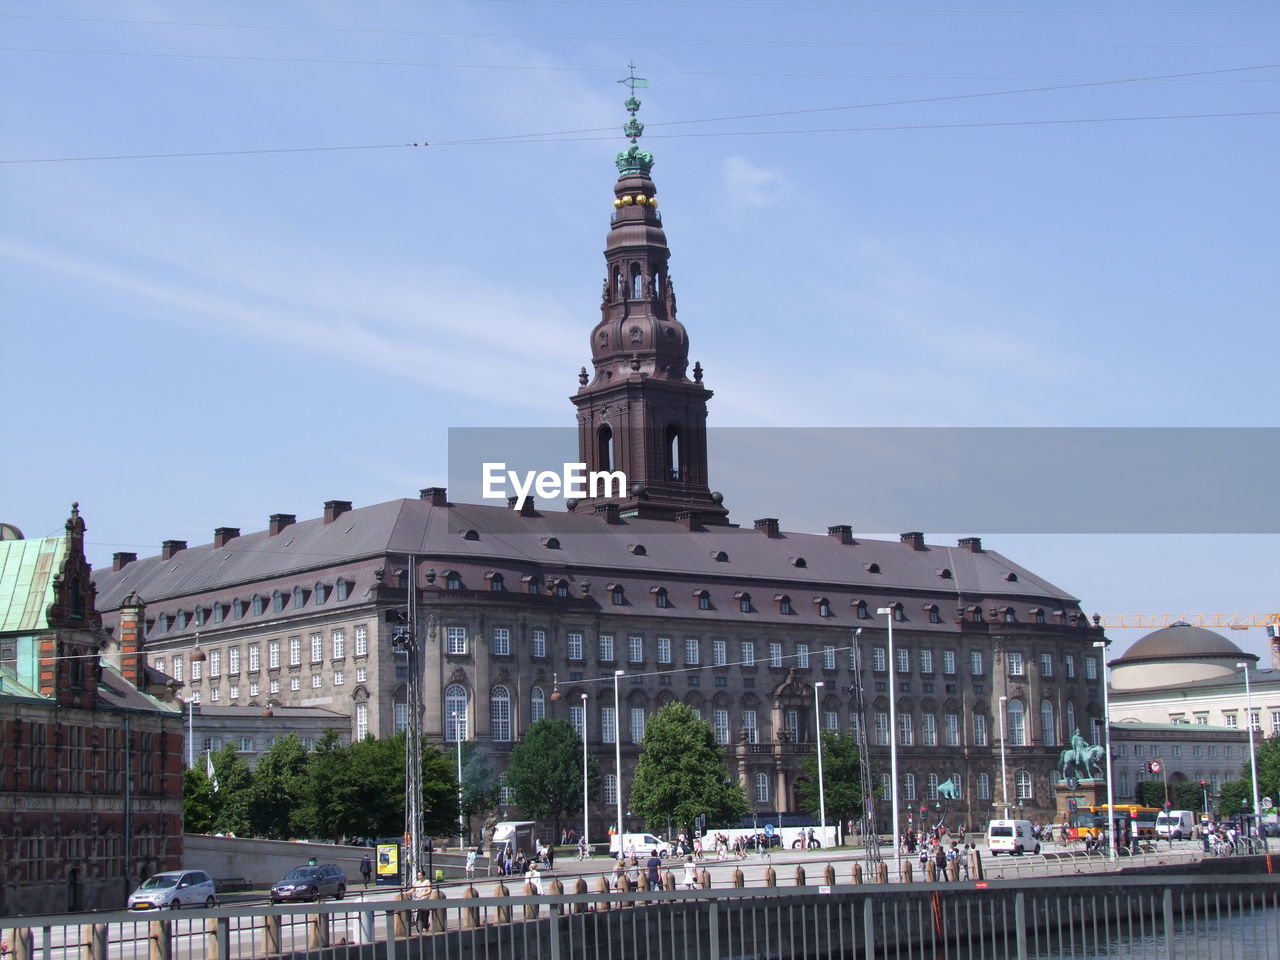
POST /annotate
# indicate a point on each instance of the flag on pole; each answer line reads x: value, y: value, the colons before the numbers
x: 209, y: 771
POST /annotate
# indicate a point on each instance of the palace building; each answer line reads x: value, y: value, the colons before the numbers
x: 527, y: 613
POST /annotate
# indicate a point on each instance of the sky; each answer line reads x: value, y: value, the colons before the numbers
x: 255, y: 256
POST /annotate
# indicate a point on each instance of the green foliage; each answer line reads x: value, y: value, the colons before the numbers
x: 1187, y: 796
x: 439, y: 790
x: 480, y: 789
x: 199, y: 803
x: 373, y: 788
x: 545, y: 771
x: 1235, y: 797
x: 231, y: 794
x: 1269, y: 767
x: 1150, y: 793
x: 277, y: 790
x: 327, y: 798
x: 681, y: 773
x: 841, y: 778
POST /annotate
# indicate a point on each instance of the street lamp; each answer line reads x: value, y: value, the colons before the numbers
x: 617, y: 753
x: 1004, y: 774
x: 584, y: 772
x: 1112, y: 839
x: 457, y: 729
x: 893, y: 740
x: 1253, y: 757
x: 822, y: 793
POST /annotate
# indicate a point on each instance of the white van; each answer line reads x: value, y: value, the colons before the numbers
x: 643, y: 843
x: 1175, y: 824
x: 1011, y: 836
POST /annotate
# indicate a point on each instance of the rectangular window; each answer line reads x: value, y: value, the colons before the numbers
x: 830, y: 720
x: 456, y: 640
x: 691, y: 653
x: 315, y: 681
x: 762, y: 788
x: 720, y: 723
x: 984, y: 787
x: 1046, y: 665
x: 255, y: 658
x: 295, y: 651
x: 975, y: 663
x: 664, y: 649
x: 573, y: 645
x: 1275, y: 714
x: 606, y: 648
x: 539, y: 643
x: 197, y: 669
x: 906, y: 732
x: 929, y: 730
x: 233, y: 661
x: 904, y: 661
x: 177, y: 668
x: 828, y: 657
x: 1091, y: 668
x: 718, y: 657
x: 362, y: 641
x: 215, y: 664
x: 1069, y: 664
x: 882, y: 729
x: 253, y: 688
x: 749, y: 724
x: 234, y: 692
x: 158, y: 664
x: 317, y: 647
x: 215, y: 694
x: 273, y: 686
x: 855, y: 725
x: 635, y: 649
x: 608, y: 725
x: 273, y: 654
x: 362, y: 721
x: 949, y: 662
x: 1228, y: 719
x: 979, y: 730
x: 802, y: 656
x: 878, y: 661
x: 926, y: 661
x: 362, y: 674
x: 339, y: 645
x: 1015, y: 664
x: 637, y: 724
x: 748, y: 653
x: 775, y: 654
x: 951, y: 729
x: 339, y: 678
x: 501, y: 642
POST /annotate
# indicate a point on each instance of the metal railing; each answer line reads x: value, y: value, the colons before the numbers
x: 1087, y: 918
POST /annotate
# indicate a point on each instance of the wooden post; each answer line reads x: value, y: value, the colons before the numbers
x: 704, y: 878
x: 829, y: 875
x: 857, y: 873
x: 882, y: 873
x: 906, y: 871
x: 504, y: 909
x: 602, y: 886
x: 770, y: 877
x: 159, y: 940
x: 471, y: 915
x: 556, y: 888
x: 580, y: 886
x: 270, y: 940
x: 318, y: 931
x: 738, y: 879
x: 439, y: 915
x: 400, y: 920
x: 530, y: 909
x: 975, y: 865
x: 931, y: 871
x: 953, y: 870
x: 668, y: 881
x: 799, y: 875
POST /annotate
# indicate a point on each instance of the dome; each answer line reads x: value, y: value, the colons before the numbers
x: 1182, y: 641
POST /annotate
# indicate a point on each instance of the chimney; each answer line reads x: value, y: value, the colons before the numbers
x: 333, y: 509
x: 278, y: 521
x: 972, y: 544
x: 915, y: 539
x: 171, y: 548
x: 526, y: 509
x: 133, y: 666
x: 437, y: 495
x: 609, y: 511
x: 689, y: 519
x: 121, y: 560
x: 224, y: 535
x: 841, y: 533
x: 769, y: 527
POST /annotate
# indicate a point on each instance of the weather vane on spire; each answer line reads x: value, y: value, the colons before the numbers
x: 634, y: 160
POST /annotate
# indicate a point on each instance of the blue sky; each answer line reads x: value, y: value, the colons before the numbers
x: 198, y: 341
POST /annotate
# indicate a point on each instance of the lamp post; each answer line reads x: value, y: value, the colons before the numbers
x: 585, y: 841
x: 457, y: 729
x: 1253, y: 757
x: 822, y: 793
x: 617, y: 753
x: 191, y: 736
x: 893, y: 741
x: 1004, y: 773
x: 1112, y: 839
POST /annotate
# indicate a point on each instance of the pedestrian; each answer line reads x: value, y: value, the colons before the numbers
x: 619, y: 871
x: 534, y: 878
x: 813, y: 842
x: 653, y: 865
x: 366, y: 868
x: 697, y: 848
x: 582, y: 848
x: 690, y: 875
x: 940, y: 861
x: 421, y: 890
x: 471, y: 864
x: 550, y: 856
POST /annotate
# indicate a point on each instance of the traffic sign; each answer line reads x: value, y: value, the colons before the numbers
x: 1267, y: 803
x: 1154, y: 766
x: 768, y: 830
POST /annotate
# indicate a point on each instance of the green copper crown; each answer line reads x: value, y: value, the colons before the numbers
x: 633, y: 159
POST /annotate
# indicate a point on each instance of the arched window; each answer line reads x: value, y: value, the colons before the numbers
x: 609, y: 782
x: 958, y: 783
x: 497, y: 584
x: 898, y: 613
x: 453, y: 580
x: 934, y: 615
x: 673, y: 464
x: 908, y: 786
x: 259, y: 605
x: 455, y: 713
x: 744, y: 603
x: 1017, y: 716
x: 1023, y: 784
x: 1048, y: 729
x: 604, y: 448
x: 931, y: 783
x: 657, y: 284
x: 661, y: 598
x: 537, y: 705
x: 237, y: 608
x: 299, y: 598
x: 762, y: 788
x: 277, y: 601
x: 984, y: 787
x: 824, y: 607
x: 863, y: 612
x: 637, y: 282
x: 500, y: 713
x: 617, y: 284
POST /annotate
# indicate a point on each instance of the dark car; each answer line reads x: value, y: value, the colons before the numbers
x: 310, y: 883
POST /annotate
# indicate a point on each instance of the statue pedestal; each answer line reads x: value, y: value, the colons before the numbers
x: 1086, y: 793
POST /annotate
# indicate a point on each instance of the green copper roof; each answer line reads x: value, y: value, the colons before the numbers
x: 634, y: 160
x: 26, y: 581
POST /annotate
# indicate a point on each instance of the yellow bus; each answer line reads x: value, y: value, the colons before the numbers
x: 1139, y: 821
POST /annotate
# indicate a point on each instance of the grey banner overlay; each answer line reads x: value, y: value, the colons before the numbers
x: 954, y: 480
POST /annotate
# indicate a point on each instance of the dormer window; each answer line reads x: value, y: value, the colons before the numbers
x: 299, y: 598
x: 471, y: 535
x: 945, y: 574
x: 661, y: 598
x: 617, y: 595
x: 259, y: 605
x: 182, y: 619
x: 784, y: 604
x: 199, y: 616
x: 871, y: 567
x: 532, y: 585
x: 899, y: 615
x: 559, y: 587
x: 824, y: 606
x: 219, y: 612
x: 322, y: 593
x: 343, y: 589
x: 798, y: 562
x: 744, y: 602
x: 1009, y: 615
x: 496, y: 582
x: 277, y: 601
x: 1038, y: 614
x: 704, y: 599
x: 935, y: 615
x: 452, y: 580
x: 862, y: 612
x: 975, y: 615
x: 237, y: 608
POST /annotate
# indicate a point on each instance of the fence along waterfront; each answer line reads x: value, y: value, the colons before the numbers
x: 1087, y: 917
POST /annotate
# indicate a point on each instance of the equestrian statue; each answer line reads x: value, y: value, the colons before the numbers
x: 1083, y: 757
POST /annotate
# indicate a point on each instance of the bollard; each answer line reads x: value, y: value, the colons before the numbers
x: 212, y: 951
x: 770, y: 877
x: 975, y: 865
x: 882, y: 872
x: 738, y: 879
x: 317, y: 931
x: 159, y: 940
x: 580, y: 887
x: 20, y: 942
x: 365, y: 922
x: 905, y: 875
x: 642, y: 880
x: 504, y: 909
x: 829, y: 876
x: 95, y: 941
x: 704, y: 878
x: 439, y: 915
x: 931, y: 872
x: 530, y: 909
x: 471, y: 915
x: 399, y: 922
x: 668, y: 881
x: 857, y: 873
x: 556, y: 888
x: 799, y: 875
x: 953, y: 870
x: 602, y: 886
x: 624, y: 886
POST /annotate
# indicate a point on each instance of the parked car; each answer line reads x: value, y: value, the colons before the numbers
x: 310, y: 883
x: 174, y: 889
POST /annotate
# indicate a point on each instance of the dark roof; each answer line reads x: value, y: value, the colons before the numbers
x: 1181, y: 641
x: 360, y: 539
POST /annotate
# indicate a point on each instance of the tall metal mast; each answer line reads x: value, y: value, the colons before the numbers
x: 870, y: 832
x: 405, y: 643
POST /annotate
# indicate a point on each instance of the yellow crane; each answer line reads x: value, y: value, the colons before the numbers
x: 1219, y: 621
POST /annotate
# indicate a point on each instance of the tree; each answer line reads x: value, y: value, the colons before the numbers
x: 1269, y: 767
x: 278, y: 789
x: 231, y: 792
x: 199, y: 802
x: 545, y: 772
x: 1150, y: 793
x: 841, y: 778
x: 681, y: 773
x: 328, y: 798
x: 480, y: 790
x: 1187, y: 795
x: 439, y: 790
x: 1235, y: 798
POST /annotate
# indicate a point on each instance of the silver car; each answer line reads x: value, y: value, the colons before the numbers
x: 174, y: 889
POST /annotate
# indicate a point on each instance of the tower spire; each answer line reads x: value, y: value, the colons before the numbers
x: 638, y: 411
